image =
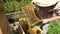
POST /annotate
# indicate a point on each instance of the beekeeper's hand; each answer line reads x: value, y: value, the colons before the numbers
x: 50, y: 19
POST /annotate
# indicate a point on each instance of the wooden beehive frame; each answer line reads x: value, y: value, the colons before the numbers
x: 30, y: 15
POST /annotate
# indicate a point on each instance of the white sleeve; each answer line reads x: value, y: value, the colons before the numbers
x: 58, y: 14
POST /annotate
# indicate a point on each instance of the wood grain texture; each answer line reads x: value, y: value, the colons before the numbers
x: 4, y: 25
x: 31, y: 18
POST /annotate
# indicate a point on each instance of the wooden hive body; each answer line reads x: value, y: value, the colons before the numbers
x: 30, y: 14
x: 31, y: 18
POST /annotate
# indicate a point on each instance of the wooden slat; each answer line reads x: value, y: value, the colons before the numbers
x: 30, y: 14
x: 31, y: 18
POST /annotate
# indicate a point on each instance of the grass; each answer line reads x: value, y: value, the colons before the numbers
x: 54, y: 28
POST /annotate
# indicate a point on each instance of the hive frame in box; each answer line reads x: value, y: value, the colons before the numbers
x: 32, y: 19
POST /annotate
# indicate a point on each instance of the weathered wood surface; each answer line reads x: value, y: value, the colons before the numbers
x: 30, y: 14
x: 4, y: 25
x: 31, y: 19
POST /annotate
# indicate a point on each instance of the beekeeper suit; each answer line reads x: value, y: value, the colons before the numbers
x: 48, y: 5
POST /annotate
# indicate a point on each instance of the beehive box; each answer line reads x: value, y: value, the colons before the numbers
x: 30, y: 14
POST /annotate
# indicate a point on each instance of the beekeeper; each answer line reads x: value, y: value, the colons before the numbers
x: 49, y: 10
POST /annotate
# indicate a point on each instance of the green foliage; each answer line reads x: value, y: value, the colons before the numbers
x: 15, y: 5
x: 54, y: 28
x: 8, y: 6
